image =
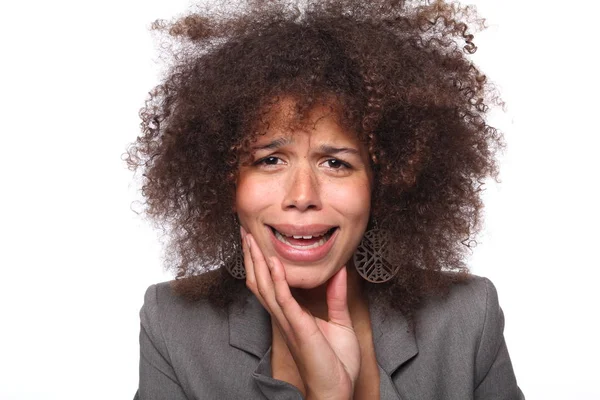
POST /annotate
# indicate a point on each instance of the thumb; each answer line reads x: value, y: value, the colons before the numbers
x: 337, y: 299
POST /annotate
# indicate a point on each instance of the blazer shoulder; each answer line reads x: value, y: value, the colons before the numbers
x: 166, y: 312
x: 187, y: 292
x: 468, y: 313
x: 468, y: 298
x: 476, y: 290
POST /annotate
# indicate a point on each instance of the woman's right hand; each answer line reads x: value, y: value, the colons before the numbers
x: 326, y: 353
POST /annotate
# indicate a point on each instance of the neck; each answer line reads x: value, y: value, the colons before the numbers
x: 315, y: 299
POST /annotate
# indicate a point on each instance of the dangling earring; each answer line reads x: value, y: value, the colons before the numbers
x: 234, y: 263
x: 372, y: 258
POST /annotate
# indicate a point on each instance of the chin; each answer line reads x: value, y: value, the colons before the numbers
x: 307, y: 277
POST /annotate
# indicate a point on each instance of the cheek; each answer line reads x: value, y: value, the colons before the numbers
x: 353, y: 201
x: 252, y: 196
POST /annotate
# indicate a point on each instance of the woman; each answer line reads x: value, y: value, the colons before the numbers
x: 318, y: 172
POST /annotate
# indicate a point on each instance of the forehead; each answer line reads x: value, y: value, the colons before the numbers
x: 285, y: 122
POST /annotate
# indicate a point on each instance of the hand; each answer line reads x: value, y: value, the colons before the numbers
x: 326, y: 353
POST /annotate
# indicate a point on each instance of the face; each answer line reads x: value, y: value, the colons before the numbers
x: 305, y: 195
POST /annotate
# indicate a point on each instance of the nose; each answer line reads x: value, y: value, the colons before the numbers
x: 302, y: 192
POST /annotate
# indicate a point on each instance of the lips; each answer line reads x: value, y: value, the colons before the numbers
x: 307, y: 243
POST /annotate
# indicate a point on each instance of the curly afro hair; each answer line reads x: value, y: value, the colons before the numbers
x: 399, y: 71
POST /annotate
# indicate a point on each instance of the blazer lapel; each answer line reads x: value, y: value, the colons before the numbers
x: 394, y: 344
x: 250, y: 331
x: 249, y: 327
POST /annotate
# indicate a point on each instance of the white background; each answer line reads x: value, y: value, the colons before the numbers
x: 75, y: 260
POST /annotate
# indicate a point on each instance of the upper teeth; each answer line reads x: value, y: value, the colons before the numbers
x: 282, y: 238
x: 306, y: 237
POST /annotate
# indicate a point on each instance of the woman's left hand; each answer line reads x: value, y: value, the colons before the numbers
x: 327, y: 353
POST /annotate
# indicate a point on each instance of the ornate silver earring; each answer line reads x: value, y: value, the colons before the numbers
x: 234, y: 263
x: 372, y: 258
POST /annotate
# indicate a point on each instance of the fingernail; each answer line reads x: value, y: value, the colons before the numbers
x: 242, y: 232
x: 247, y: 237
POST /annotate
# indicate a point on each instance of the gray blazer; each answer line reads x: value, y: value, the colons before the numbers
x: 194, y: 351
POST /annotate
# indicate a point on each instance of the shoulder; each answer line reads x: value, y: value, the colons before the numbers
x: 181, y: 328
x: 471, y: 305
x: 162, y: 299
x: 195, y: 341
x: 467, y: 321
x: 457, y: 346
x: 466, y: 299
x: 170, y: 315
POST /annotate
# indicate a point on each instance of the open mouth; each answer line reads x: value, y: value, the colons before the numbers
x: 304, y: 242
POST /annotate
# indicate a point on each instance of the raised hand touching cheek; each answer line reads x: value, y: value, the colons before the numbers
x: 326, y: 353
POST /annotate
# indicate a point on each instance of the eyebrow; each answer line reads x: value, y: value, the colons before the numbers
x: 325, y: 149
x: 275, y: 144
x: 335, y: 150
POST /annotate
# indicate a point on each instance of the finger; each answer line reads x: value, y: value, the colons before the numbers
x: 249, y: 265
x: 311, y: 350
x: 301, y: 322
x: 250, y: 279
x: 264, y: 284
x: 337, y: 299
x: 259, y: 266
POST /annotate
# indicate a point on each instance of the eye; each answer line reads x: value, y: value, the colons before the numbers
x: 271, y: 160
x: 334, y: 163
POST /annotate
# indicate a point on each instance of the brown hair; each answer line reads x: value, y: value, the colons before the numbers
x: 401, y: 74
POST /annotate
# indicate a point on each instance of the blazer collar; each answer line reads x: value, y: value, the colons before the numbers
x: 394, y: 341
x: 393, y: 338
x: 249, y: 326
